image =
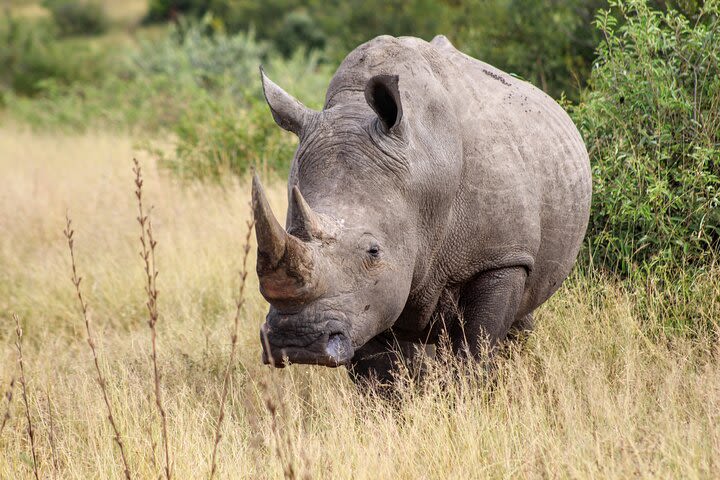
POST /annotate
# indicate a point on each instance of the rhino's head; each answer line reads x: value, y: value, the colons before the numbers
x: 341, y: 270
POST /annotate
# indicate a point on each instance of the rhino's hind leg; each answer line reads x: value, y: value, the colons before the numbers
x: 488, y: 306
x: 379, y: 361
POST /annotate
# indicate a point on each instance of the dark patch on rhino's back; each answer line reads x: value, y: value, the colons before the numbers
x: 497, y: 77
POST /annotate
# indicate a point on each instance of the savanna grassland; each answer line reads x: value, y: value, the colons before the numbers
x: 620, y: 379
x: 594, y: 392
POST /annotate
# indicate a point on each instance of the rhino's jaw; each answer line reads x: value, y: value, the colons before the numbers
x: 330, y: 347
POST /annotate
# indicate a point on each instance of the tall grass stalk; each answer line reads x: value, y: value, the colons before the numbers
x: 51, y: 432
x: 233, y: 344
x: 147, y: 253
x: 76, y: 279
x: 23, y: 384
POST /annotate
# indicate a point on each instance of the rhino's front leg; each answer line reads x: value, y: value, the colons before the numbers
x: 488, y: 306
x: 380, y: 359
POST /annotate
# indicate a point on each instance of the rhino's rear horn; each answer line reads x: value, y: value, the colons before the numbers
x: 284, y: 262
x: 305, y: 223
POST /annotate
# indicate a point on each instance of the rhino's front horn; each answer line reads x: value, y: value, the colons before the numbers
x: 271, y: 236
x: 284, y: 262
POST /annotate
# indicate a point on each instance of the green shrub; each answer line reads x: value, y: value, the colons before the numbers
x: 348, y: 24
x: 78, y: 17
x: 215, y: 139
x: 195, y: 52
x: 225, y: 126
x: 299, y: 30
x: 33, y: 57
x: 651, y: 121
x: 551, y: 47
x: 213, y: 82
x: 202, y: 87
x: 291, y: 25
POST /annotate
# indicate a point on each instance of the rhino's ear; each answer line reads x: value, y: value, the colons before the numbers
x: 383, y: 95
x: 287, y: 111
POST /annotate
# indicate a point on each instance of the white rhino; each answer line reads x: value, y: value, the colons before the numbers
x: 432, y: 191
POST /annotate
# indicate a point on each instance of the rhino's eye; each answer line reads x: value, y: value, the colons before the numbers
x: 374, y: 250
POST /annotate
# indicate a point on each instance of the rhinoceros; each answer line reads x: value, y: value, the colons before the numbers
x: 434, y: 196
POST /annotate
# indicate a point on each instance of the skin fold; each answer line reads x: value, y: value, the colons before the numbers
x: 433, y: 193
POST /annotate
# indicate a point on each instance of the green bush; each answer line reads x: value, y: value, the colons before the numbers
x: 290, y: 25
x: 225, y: 126
x: 78, y: 17
x: 200, y: 85
x: 33, y: 57
x: 219, y: 125
x: 551, y: 47
x: 651, y: 121
x: 215, y: 140
x: 348, y: 24
x: 150, y: 85
x: 299, y: 30
x: 195, y: 52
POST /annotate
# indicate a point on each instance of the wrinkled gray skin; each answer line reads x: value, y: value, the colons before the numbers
x: 433, y: 191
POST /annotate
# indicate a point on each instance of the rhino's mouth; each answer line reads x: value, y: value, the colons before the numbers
x: 327, y: 349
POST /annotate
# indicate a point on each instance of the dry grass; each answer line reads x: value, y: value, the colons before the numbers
x: 7, y: 398
x: 592, y: 393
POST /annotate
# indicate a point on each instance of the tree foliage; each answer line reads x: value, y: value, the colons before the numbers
x: 651, y: 121
x: 549, y: 44
x: 552, y: 46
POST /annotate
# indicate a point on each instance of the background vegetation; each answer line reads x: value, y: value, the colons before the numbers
x: 620, y: 378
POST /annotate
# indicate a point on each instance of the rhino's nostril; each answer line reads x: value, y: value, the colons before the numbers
x: 338, y: 346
